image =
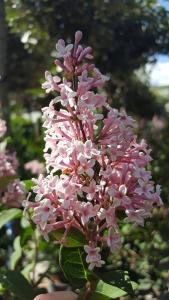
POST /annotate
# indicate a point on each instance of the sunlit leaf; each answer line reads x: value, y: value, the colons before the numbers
x: 120, y: 279
x: 105, y: 291
x: 28, y: 184
x: 9, y: 215
x: 16, y: 255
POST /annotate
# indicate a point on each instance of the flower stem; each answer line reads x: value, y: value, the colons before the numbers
x: 88, y: 290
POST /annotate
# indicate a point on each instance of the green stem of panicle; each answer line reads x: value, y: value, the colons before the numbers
x: 88, y: 290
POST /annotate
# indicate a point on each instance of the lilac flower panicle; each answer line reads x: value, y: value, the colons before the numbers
x: 102, y: 171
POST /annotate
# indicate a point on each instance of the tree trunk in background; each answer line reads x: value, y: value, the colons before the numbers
x: 4, y: 109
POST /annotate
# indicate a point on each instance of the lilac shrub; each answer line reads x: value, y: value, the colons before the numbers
x: 96, y: 167
x: 12, y: 193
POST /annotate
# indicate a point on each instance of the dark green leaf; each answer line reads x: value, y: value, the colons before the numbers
x: 75, y: 237
x: 16, y: 284
x: 8, y: 215
x: 116, y: 284
x: 119, y: 279
x: 73, y: 267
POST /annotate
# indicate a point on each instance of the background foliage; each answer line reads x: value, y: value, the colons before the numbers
x: 125, y: 36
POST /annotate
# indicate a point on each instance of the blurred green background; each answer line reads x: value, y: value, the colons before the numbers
x: 127, y: 36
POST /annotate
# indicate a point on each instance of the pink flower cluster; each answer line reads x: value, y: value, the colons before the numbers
x: 13, y: 194
x: 96, y: 168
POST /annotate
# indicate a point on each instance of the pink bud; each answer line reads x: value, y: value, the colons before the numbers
x: 79, y: 51
x: 85, y: 52
x: 78, y: 37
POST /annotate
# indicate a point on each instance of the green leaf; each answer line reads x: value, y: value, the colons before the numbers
x: 113, y: 284
x: 74, y: 239
x: 120, y: 279
x: 16, y: 284
x: 105, y: 291
x: 26, y: 271
x: 16, y: 255
x: 8, y: 215
x: 28, y: 184
x: 2, y: 289
x: 73, y: 267
x: 98, y: 296
x: 5, y: 180
x: 24, y: 223
x: 26, y: 234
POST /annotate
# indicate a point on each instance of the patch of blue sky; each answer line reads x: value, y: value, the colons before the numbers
x: 164, y: 3
x: 159, y: 72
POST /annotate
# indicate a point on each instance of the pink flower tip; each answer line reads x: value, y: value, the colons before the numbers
x: 78, y: 36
